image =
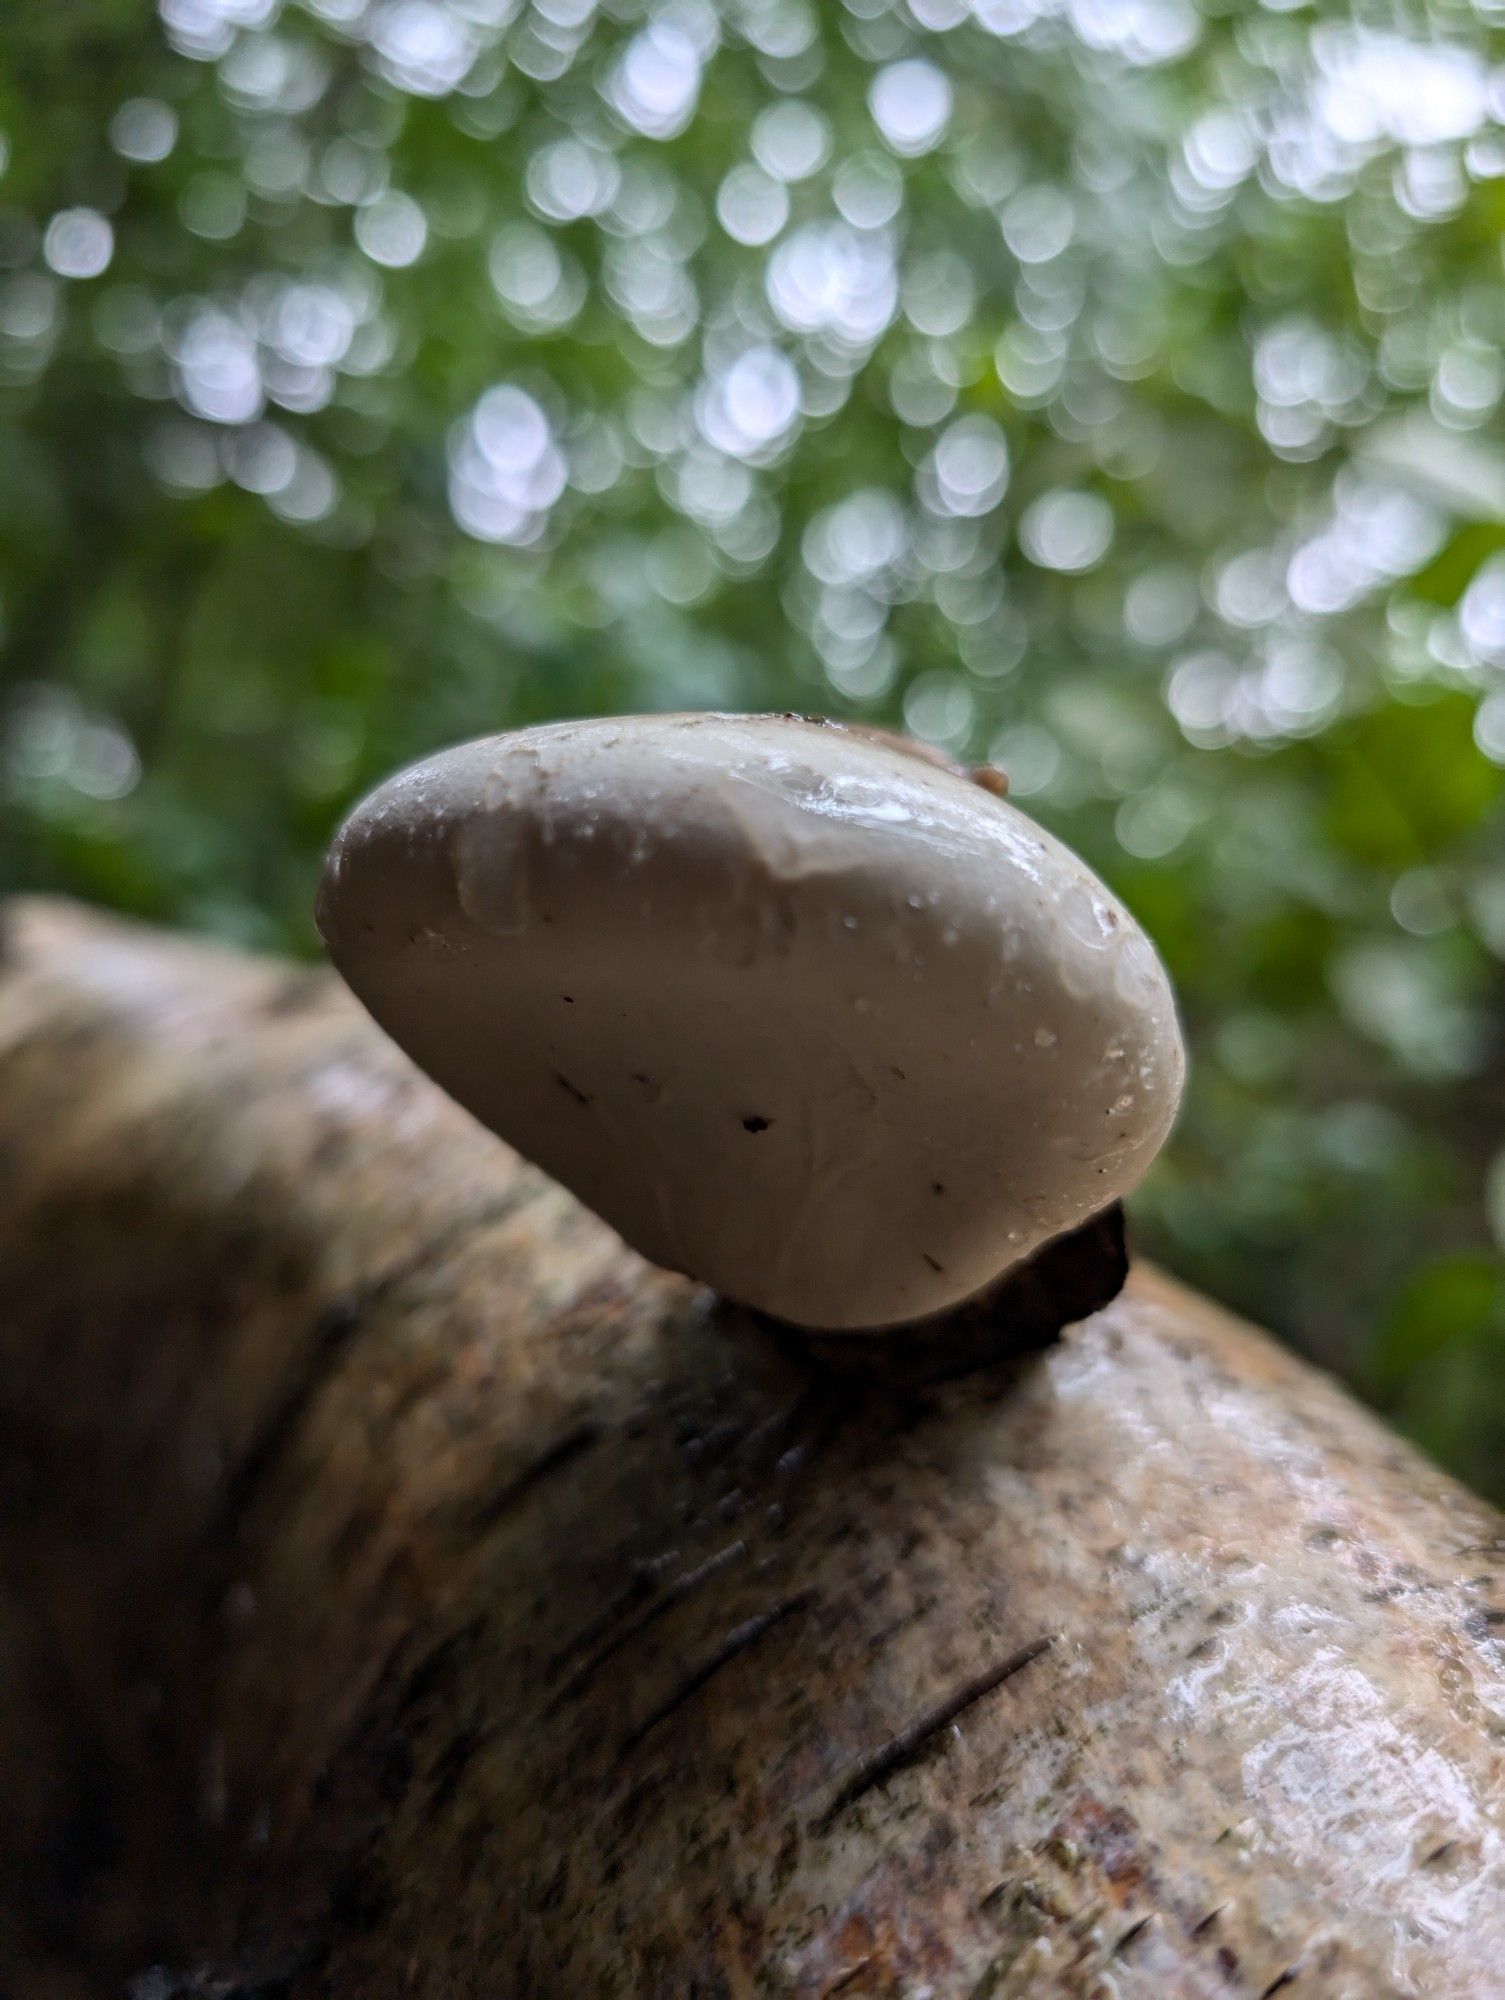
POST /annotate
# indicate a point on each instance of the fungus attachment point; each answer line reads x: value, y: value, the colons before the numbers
x: 848, y: 1038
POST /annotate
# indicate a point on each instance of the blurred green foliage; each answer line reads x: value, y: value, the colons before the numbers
x: 1111, y: 387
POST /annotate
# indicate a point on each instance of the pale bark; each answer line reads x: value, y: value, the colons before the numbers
x: 409, y: 1592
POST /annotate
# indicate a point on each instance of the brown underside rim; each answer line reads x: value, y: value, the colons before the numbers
x: 1066, y: 1280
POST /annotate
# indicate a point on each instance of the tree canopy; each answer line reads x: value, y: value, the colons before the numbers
x: 1109, y: 388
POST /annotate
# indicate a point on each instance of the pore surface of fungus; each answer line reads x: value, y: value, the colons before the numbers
x: 799, y: 1013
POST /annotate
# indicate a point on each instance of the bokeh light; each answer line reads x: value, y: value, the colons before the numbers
x: 1109, y: 387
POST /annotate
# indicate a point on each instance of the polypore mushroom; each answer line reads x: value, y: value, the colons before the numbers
x: 799, y: 1013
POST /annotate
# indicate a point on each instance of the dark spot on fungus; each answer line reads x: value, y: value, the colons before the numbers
x: 574, y: 1089
x: 934, y: 1264
x: 568, y: 999
x: 756, y: 1124
x: 937, y: 1187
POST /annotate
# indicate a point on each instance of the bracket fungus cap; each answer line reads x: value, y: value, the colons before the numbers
x: 798, y: 1012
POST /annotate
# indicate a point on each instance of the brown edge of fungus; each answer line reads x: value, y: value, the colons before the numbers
x: 988, y: 776
x: 1067, y: 1279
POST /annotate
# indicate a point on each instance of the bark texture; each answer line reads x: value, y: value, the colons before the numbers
x: 407, y: 1591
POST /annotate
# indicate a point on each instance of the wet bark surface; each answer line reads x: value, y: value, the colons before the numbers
x: 404, y: 1590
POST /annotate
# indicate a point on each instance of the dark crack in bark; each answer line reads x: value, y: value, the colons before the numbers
x: 738, y: 1641
x: 903, y: 1748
